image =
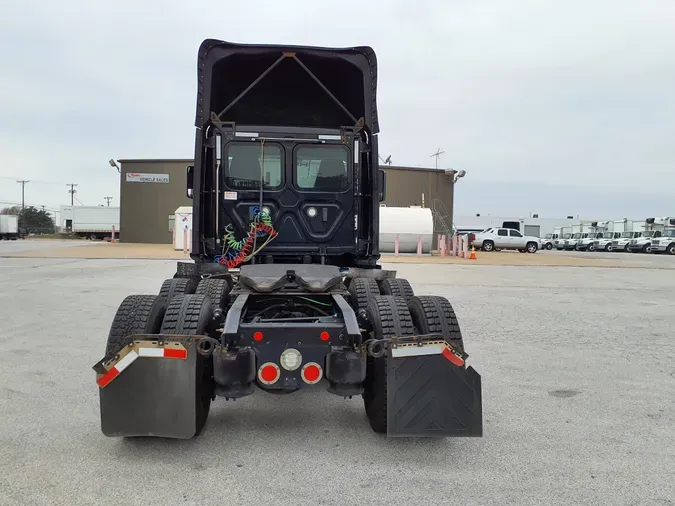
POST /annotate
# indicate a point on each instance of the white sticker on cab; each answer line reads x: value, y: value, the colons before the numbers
x: 230, y: 195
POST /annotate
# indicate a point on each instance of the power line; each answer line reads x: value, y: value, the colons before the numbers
x: 72, y: 192
x: 23, y: 182
x: 108, y: 199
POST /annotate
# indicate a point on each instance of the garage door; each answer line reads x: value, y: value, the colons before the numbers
x: 532, y: 230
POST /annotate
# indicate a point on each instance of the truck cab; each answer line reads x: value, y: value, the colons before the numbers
x: 561, y: 243
x: 652, y: 229
x: 587, y: 243
x: 571, y: 243
x: 604, y: 243
x: 623, y: 242
x: 665, y: 243
x: 548, y: 241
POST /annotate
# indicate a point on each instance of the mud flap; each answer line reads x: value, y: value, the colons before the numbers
x: 152, y: 397
x: 428, y: 396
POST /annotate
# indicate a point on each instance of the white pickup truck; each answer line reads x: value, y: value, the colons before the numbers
x: 505, y: 238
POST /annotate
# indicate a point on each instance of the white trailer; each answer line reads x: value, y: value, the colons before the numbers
x: 92, y: 222
x: 9, y: 227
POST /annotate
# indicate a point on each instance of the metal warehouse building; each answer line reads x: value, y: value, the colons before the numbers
x: 152, y: 190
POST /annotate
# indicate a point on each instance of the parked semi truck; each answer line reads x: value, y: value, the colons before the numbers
x: 665, y: 243
x: 9, y: 227
x: 284, y: 291
x: 91, y: 222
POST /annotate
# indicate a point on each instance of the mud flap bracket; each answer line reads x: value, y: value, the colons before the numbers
x: 429, y: 396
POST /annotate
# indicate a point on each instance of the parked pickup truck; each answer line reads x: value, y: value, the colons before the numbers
x: 505, y: 238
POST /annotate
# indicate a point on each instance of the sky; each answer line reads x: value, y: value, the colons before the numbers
x: 558, y: 108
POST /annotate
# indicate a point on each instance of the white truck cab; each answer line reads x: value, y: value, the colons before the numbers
x: 563, y: 240
x: 653, y: 229
x: 587, y: 243
x: 548, y: 241
x: 665, y: 243
x: 604, y: 243
x: 622, y: 243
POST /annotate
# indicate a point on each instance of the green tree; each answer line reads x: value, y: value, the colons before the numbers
x: 34, y: 220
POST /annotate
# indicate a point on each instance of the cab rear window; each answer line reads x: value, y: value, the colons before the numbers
x: 248, y: 165
x: 322, y: 168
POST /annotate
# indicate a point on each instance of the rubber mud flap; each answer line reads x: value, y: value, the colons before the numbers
x: 152, y: 397
x: 430, y: 397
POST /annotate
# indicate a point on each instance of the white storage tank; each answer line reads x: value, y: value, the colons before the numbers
x: 408, y: 223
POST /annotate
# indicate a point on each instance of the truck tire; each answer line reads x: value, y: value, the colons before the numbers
x: 671, y: 249
x: 488, y: 245
x: 216, y: 290
x: 190, y: 315
x: 398, y: 287
x: 531, y: 247
x: 177, y: 286
x: 432, y: 314
x: 137, y: 314
x: 362, y: 290
x: 549, y: 246
x: 390, y: 317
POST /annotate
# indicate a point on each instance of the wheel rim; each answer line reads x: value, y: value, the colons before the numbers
x: 531, y: 248
x: 488, y: 246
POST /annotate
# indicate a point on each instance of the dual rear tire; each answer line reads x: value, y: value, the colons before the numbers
x: 393, y: 316
x: 183, y: 314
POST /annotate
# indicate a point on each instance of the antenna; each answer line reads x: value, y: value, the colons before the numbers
x: 387, y: 161
x: 437, y: 154
x: 108, y: 199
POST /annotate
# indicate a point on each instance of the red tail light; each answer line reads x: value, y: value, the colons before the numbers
x: 257, y: 336
x: 311, y: 373
x: 269, y: 373
x: 325, y: 336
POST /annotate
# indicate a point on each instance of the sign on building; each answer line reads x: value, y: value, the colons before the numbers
x: 137, y: 177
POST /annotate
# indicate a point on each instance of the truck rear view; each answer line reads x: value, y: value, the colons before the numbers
x: 284, y: 291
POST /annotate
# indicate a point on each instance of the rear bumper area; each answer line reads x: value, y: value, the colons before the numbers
x: 429, y: 396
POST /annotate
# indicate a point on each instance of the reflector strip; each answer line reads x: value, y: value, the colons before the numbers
x: 454, y: 359
x: 435, y: 349
x: 162, y: 353
x: 138, y: 351
x: 151, y: 352
x: 169, y: 353
x: 114, y: 371
x: 416, y: 351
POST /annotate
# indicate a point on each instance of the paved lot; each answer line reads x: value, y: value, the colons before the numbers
x: 26, y: 246
x: 578, y: 369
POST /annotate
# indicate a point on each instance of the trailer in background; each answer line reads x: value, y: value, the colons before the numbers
x: 9, y: 227
x: 91, y: 222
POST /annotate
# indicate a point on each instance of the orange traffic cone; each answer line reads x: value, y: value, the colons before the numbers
x: 473, y: 253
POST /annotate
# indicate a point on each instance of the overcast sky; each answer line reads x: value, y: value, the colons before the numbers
x: 552, y: 107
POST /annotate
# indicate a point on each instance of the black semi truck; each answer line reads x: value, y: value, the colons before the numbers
x: 283, y: 290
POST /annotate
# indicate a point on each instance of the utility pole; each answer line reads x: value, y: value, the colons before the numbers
x: 43, y: 208
x: 437, y: 154
x: 108, y: 199
x: 23, y: 192
x: 72, y: 192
